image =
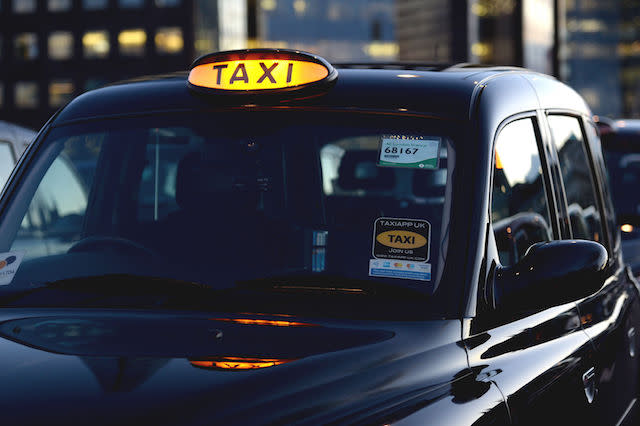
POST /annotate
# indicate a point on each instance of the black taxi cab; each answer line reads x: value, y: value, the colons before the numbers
x: 273, y: 239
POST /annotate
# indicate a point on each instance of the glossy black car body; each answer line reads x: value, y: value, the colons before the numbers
x: 550, y: 342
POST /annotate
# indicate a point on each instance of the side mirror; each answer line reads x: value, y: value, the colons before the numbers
x: 550, y: 274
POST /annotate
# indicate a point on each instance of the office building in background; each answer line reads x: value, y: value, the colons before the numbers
x: 51, y: 50
x: 592, y: 56
x: 505, y: 32
x: 339, y: 30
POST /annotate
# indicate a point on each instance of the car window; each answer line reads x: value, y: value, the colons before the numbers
x: 519, y: 209
x: 577, y: 178
x: 606, y: 184
x: 54, y: 219
x: 6, y: 162
x: 306, y: 198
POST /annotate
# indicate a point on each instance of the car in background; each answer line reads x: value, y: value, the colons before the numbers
x: 268, y: 238
x: 621, y: 147
x: 14, y: 139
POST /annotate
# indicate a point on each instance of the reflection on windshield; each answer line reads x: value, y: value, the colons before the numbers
x: 520, y: 162
x: 183, y: 202
x: 55, y: 214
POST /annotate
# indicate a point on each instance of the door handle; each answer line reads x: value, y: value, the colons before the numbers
x: 589, y: 383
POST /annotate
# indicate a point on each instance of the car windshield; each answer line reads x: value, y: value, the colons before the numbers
x: 255, y: 205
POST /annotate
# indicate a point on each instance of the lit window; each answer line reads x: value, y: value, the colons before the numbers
x: 26, y: 46
x: 95, y: 44
x: 268, y: 5
x: 60, y: 45
x: 169, y: 40
x: 167, y: 3
x: 60, y: 91
x: 24, y: 6
x: 130, y: 4
x: 481, y: 50
x: 26, y: 94
x: 59, y: 5
x: 300, y: 7
x: 132, y: 42
x: 94, y: 4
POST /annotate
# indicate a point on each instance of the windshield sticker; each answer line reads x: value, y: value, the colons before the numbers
x: 409, y: 151
x: 319, y: 251
x: 9, y: 263
x: 406, y: 239
x: 399, y: 269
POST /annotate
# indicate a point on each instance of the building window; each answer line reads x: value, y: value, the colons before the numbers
x: 130, y: 4
x: 94, y: 4
x: 132, y: 42
x: 268, y: 5
x: 60, y: 91
x: 60, y: 45
x: 167, y: 3
x: 169, y: 40
x: 59, y: 5
x: 26, y: 94
x: 26, y: 46
x: 95, y: 44
x: 24, y: 6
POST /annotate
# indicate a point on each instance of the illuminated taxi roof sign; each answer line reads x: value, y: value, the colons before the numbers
x: 259, y: 71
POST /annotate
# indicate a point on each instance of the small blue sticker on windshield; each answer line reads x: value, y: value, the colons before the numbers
x: 390, y: 268
x: 9, y: 263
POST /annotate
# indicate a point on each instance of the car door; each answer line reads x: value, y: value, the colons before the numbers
x: 610, y: 317
x: 537, y: 359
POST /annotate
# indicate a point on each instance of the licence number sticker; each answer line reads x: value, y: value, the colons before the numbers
x: 409, y: 151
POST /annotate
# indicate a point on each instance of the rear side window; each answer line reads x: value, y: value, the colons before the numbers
x: 519, y: 209
x: 577, y: 178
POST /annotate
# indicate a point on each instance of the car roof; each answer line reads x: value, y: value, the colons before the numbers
x: 442, y: 92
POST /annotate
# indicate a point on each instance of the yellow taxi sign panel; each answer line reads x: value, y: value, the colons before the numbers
x: 255, y: 74
x: 258, y: 70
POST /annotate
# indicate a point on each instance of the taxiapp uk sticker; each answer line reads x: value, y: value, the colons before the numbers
x: 409, y: 151
x: 406, y: 239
